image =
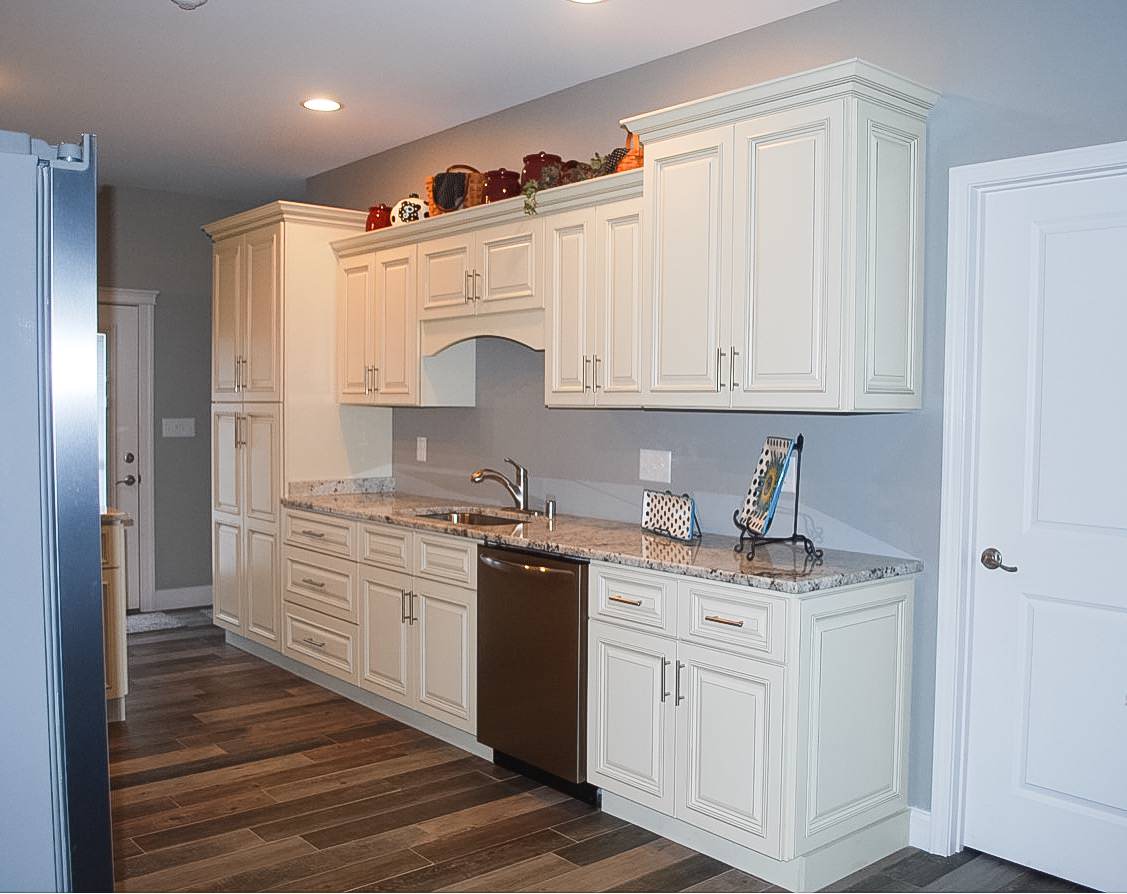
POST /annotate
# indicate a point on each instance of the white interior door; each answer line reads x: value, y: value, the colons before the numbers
x: 123, y: 430
x: 1047, y: 756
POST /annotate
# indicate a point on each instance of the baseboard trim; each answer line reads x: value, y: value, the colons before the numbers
x: 181, y: 597
x: 456, y: 737
x: 919, y: 828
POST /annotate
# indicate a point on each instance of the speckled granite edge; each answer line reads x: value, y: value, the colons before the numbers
x: 330, y: 487
x: 779, y: 567
x: 116, y: 517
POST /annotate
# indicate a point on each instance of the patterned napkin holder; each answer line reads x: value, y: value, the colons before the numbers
x: 665, y: 513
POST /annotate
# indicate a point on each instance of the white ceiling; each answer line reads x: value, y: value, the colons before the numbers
x: 208, y: 101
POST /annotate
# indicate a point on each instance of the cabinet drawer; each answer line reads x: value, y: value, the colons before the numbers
x: 386, y: 546
x: 638, y: 598
x: 449, y: 559
x: 322, y: 533
x: 737, y: 619
x: 324, y: 583
x: 326, y: 643
x: 110, y: 558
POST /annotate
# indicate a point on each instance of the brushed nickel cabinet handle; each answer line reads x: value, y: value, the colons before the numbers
x: 467, y: 288
x: 315, y: 643
x: 404, y: 615
x: 316, y: 534
x: 720, y: 355
x: 677, y: 697
x: 412, y: 617
x: 732, y: 368
x: 586, y: 363
x: 375, y: 379
x: 595, y: 374
x: 664, y: 691
x: 476, y: 286
x: 319, y: 584
x: 625, y: 600
x: 717, y: 619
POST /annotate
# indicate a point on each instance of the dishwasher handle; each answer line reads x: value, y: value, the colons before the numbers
x: 522, y: 567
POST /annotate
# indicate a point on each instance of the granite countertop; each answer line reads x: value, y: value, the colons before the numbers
x: 116, y: 517
x: 779, y: 567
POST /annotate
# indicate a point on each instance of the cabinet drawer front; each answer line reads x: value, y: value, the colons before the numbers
x: 386, y: 546
x: 638, y: 598
x: 449, y: 559
x: 737, y: 619
x: 110, y: 557
x: 320, y: 641
x: 324, y: 583
x: 322, y: 533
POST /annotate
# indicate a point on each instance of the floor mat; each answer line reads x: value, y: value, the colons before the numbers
x: 143, y: 622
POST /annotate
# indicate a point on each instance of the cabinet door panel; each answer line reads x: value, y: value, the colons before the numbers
x: 262, y: 340
x: 226, y: 316
x: 263, y: 592
x: 788, y: 227
x: 729, y: 747
x: 617, y: 370
x: 445, y: 619
x: 262, y: 455
x: 569, y: 266
x: 355, y: 321
x: 397, y: 331
x: 630, y: 715
x: 445, y: 267
x: 688, y: 182
x: 226, y: 459
x: 227, y: 572
x: 506, y: 270
x: 385, y: 660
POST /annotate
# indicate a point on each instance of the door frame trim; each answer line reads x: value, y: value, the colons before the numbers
x: 970, y: 188
x: 145, y: 301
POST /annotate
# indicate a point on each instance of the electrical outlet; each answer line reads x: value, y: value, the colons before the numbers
x: 655, y: 465
x: 178, y: 428
x: 421, y: 450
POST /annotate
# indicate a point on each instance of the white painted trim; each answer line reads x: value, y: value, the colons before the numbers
x: 456, y: 737
x: 279, y: 212
x: 181, y: 597
x: 919, y: 828
x: 145, y: 301
x: 970, y: 186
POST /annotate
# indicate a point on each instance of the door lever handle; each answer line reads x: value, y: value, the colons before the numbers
x: 992, y: 558
x: 128, y: 480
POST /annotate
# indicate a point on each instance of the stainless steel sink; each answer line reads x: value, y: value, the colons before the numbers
x: 472, y: 518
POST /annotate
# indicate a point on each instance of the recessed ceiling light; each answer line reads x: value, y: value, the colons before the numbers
x: 322, y: 104
x: 586, y: 1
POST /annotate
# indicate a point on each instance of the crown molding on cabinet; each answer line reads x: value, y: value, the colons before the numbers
x: 610, y: 188
x: 277, y: 212
x: 851, y: 77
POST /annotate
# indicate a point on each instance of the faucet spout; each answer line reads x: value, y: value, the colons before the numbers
x: 517, y: 489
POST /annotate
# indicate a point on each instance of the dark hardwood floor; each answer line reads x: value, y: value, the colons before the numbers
x: 234, y: 775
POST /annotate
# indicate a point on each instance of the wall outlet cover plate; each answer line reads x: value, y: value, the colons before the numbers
x: 421, y: 450
x: 655, y: 465
x: 178, y: 428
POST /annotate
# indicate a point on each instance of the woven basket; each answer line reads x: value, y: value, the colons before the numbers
x: 475, y: 188
x: 634, y: 157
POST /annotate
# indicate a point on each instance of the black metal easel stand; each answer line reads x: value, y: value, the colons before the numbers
x: 750, y: 539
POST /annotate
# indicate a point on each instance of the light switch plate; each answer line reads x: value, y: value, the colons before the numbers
x: 655, y: 465
x: 421, y: 450
x: 178, y: 428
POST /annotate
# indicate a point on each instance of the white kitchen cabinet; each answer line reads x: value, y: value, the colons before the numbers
x: 445, y: 666
x: 780, y: 723
x: 594, y: 296
x: 246, y: 494
x: 630, y: 727
x: 494, y: 269
x: 386, y: 662
x: 246, y: 318
x: 356, y: 328
x: 730, y: 746
x: 784, y: 244
x: 687, y: 262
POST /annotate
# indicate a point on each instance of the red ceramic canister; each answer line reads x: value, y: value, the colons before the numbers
x: 501, y: 184
x: 379, y: 216
x: 534, y: 165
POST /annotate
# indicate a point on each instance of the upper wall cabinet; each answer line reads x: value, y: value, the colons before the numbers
x: 246, y: 360
x: 783, y: 244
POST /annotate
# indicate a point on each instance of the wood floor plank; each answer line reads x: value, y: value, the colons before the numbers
x: 588, y: 826
x: 317, y: 862
x: 448, y: 847
x: 164, y: 759
x: 600, y: 847
x: 245, y: 712
x: 518, y: 876
x: 145, y: 864
x: 605, y: 874
x: 176, y: 878
x: 732, y: 880
x: 359, y: 876
x: 676, y: 876
x: 143, y: 826
x: 240, y: 773
x: 982, y: 873
x: 494, y: 811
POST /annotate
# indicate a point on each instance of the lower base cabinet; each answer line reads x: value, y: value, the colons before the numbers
x: 419, y: 647
x: 321, y: 641
x: 246, y: 597
x: 777, y: 723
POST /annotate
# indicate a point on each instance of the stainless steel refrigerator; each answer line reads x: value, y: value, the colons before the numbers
x: 54, y: 785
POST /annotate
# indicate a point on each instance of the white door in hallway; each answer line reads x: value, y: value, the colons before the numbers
x: 120, y: 323
x: 1046, y: 775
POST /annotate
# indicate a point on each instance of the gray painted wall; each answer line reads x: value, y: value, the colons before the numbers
x: 149, y: 239
x: 1017, y: 77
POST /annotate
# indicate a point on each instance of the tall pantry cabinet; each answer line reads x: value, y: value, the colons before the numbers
x: 275, y: 417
